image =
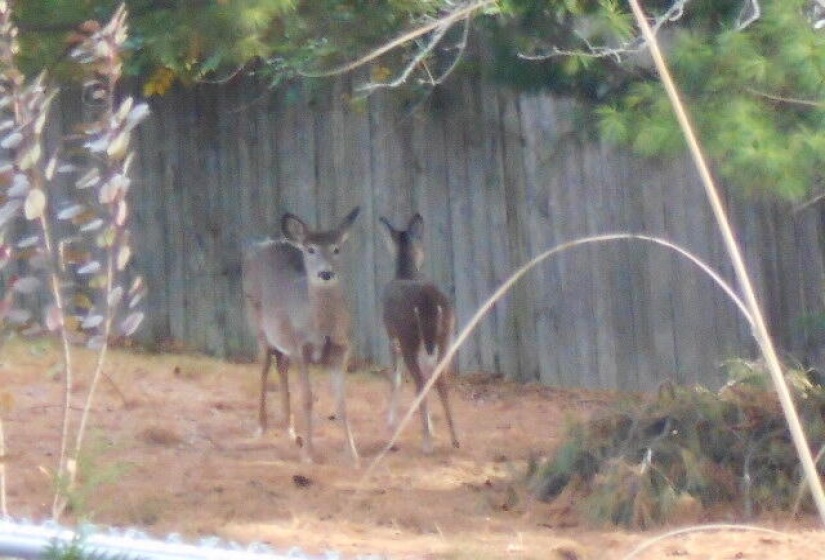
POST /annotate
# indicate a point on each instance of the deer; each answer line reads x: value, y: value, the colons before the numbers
x: 419, y: 321
x: 295, y: 304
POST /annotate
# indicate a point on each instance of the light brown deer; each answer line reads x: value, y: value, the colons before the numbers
x: 419, y: 320
x: 295, y: 303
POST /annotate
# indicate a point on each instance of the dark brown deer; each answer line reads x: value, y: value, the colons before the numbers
x: 295, y: 303
x: 419, y: 320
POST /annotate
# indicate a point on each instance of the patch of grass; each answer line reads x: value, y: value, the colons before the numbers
x: 94, y: 473
x: 76, y: 550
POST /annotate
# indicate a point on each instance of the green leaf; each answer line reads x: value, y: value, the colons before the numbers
x: 612, y: 125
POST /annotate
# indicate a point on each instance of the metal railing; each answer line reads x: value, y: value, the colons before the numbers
x: 26, y: 540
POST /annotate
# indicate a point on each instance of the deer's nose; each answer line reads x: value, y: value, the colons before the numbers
x: 326, y: 275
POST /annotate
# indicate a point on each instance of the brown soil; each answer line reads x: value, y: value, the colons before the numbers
x: 172, y: 449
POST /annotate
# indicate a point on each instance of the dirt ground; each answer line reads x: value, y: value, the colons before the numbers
x: 172, y: 448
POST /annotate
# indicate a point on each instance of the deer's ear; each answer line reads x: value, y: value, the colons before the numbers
x: 416, y: 226
x: 346, y: 224
x: 390, y: 235
x: 293, y: 228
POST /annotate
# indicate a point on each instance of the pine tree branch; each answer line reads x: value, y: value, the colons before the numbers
x: 630, y: 46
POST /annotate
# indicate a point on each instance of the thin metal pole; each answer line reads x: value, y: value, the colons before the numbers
x: 30, y: 542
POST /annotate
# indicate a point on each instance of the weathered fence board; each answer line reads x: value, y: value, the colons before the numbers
x: 498, y: 177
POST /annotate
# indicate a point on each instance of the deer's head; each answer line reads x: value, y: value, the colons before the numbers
x: 321, y: 249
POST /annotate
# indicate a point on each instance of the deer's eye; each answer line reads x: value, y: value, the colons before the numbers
x: 335, y: 250
x: 311, y: 249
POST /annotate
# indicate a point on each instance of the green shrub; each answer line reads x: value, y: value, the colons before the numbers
x: 638, y: 463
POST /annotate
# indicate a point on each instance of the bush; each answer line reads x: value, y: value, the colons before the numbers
x: 643, y: 461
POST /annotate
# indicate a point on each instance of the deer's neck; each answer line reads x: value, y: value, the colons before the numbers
x: 406, y: 269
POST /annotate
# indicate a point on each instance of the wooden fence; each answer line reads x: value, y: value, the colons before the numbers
x: 498, y: 177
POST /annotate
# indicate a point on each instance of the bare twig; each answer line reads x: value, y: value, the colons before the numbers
x: 788, y: 100
x: 439, y: 26
x: 420, y: 58
x: 633, y: 45
x: 751, y: 11
x: 809, y: 203
x: 760, y: 330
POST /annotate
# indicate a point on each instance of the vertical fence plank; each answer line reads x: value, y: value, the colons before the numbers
x: 540, y: 196
x: 150, y: 227
x: 637, y: 355
x: 609, y: 264
x: 519, y: 234
x: 430, y: 180
x: 578, y: 284
x: 479, y: 221
x: 505, y: 342
x: 657, y: 278
x: 351, y: 179
x: 460, y: 209
x: 295, y: 184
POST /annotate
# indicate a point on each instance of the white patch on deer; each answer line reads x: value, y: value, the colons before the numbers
x: 426, y: 361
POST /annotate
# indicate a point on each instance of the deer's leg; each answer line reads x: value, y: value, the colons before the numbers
x: 307, y: 454
x: 267, y: 362
x: 441, y: 387
x: 282, y: 363
x: 395, y: 385
x: 338, y: 365
x: 411, y: 362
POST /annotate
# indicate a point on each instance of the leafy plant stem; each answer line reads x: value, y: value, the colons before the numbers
x: 110, y: 274
x: 47, y: 243
x: 64, y: 466
x: 760, y: 330
x: 96, y: 377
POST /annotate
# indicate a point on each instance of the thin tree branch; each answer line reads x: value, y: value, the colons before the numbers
x: 630, y: 46
x: 751, y: 11
x: 788, y: 100
x: 420, y: 60
x: 808, y: 203
x: 444, y: 22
